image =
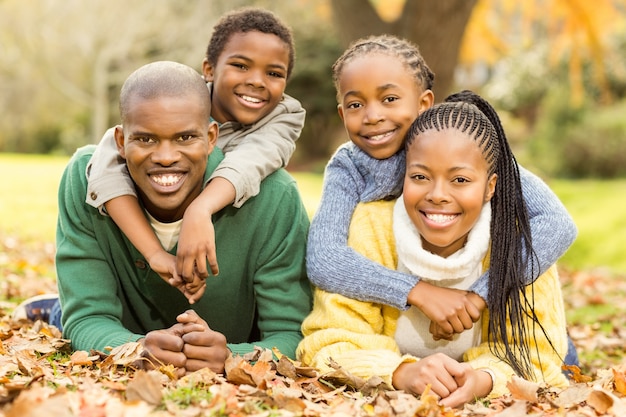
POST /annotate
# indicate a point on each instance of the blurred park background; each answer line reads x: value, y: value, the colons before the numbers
x: 555, y: 70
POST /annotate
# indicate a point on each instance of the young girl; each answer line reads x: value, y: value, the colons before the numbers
x: 461, y: 212
x: 249, y: 58
x: 382, y: 85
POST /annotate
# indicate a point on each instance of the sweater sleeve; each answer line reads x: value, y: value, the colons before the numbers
x: 357, y: 335
x: 263, y: 150
x: 331, y: 264
x: 92, y: 311
x: 552, y: 228
x: 107, y: 173
x: 546, y: 353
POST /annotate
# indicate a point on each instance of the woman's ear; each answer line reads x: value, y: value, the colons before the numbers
x: 491, y: 187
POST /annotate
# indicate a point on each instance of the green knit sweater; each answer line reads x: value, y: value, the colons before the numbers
x: 110, y: 296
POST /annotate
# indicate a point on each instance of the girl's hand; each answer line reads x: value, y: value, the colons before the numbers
x: 450, y: 310
x: 456, y: 383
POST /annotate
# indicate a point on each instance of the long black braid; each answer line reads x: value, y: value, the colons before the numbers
x: 511, y: 243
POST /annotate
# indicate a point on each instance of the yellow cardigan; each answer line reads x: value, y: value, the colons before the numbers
x: 359, y: 336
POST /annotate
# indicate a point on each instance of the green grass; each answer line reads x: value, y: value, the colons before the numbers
x: 28, y: 208
x: 598, y: 210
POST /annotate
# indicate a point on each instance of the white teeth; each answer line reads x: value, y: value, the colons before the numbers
x: 440, y: 218
x: 251, y: 99
x: 166, y: 179
x: 381, y: 136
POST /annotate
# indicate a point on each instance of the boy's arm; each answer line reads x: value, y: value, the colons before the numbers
x: 249, y: 158
x: 196, y: 243
x: 552, y: 229
x: 107, y: 174
x: 252, y: 156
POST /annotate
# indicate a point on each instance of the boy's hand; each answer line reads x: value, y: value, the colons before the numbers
x: 196, y: 244
x: 450, y: 310
x: 203, y: 347
x: 164, y: 264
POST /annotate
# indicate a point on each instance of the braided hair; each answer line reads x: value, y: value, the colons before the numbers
x: 511, y: 244
x: 402, y: 49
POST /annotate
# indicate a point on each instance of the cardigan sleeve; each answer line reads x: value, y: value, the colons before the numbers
x: 88, y: 290
x: 547, y: 347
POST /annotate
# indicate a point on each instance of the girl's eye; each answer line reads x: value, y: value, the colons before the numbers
x: 353, y: 105
x: 238, y: 65
x: 460, y: 180
x: 276, y: 74
x: 418, y: 177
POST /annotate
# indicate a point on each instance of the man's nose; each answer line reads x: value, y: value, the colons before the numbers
x: 166, y: 153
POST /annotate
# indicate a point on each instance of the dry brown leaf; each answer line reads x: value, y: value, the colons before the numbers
x: 620, y: 381
x: 146, y: 386
x: 522, y: 389
x: 600, y: 401
x: 82, y: 358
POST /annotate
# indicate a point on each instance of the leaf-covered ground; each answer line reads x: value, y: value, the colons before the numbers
x: 41, y: 376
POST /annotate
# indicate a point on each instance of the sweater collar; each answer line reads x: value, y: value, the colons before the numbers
x: 425, y: 264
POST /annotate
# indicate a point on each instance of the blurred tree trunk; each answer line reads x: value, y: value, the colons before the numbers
x: 437, y: 27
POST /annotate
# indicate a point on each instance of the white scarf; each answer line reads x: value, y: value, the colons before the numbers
x: 459, y: 270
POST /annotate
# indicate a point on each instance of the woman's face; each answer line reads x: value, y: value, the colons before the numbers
x: 447, y: 183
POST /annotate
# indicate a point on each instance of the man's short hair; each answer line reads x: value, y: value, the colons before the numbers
x: 163, y: 79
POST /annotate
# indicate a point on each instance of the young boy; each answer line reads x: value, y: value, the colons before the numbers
x: 249, y: 58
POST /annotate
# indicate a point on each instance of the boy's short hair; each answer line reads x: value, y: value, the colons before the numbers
x: 244, y: 20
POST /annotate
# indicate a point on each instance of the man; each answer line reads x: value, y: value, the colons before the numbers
x: 109, y: 296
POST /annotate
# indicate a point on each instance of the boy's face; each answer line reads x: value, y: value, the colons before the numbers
x: 166, y: 142
x: 379, y: 98
x: 249, y: 78
x: 447, y: 183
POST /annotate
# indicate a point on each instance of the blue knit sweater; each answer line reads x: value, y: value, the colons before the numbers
x: 352, y: 176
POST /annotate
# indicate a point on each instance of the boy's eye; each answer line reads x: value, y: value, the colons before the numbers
x: 144, y: 139
x: 389, y: 99
x: 354, y: 105
x: 238, y: 65
x: 184, y: 138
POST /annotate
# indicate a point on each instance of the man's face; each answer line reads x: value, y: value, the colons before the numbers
x: 166, y: 142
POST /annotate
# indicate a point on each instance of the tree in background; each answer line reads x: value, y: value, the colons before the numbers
x: 437, y: 27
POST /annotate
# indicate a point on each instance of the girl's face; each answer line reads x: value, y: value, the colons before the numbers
x: 445, y: 187
x: 249, y: 78
x: 379, y: 98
